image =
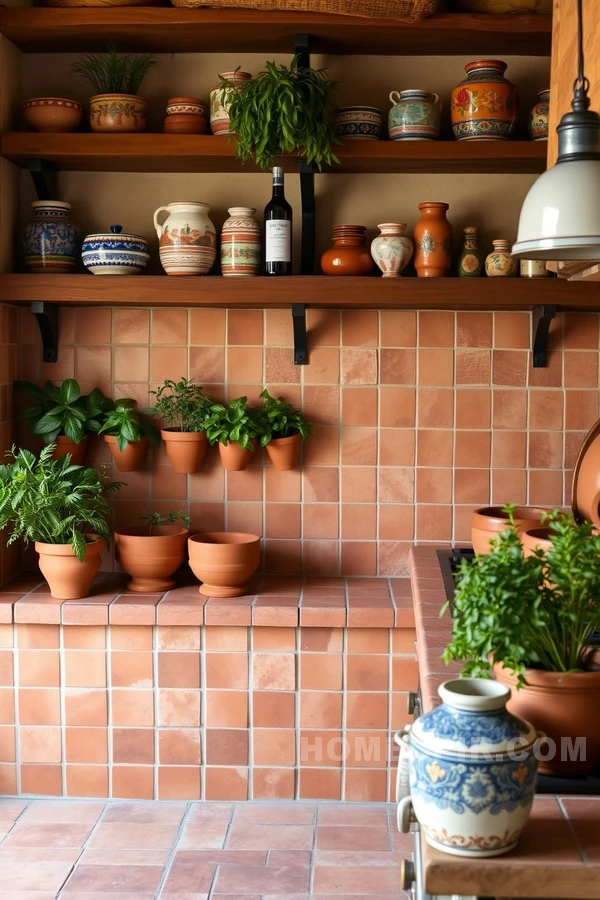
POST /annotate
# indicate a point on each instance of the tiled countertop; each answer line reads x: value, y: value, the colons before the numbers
x: 274, y: 601
x: 559, y: 852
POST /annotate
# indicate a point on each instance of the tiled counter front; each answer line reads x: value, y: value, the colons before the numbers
x: 292, y: 693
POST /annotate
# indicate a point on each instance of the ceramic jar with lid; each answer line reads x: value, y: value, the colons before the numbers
x: 414, y: 116
x: 50, y: 239
x: 433, y: 241
x: 348, y: 256
x: 185, y: 115
x: 539, y: 117
x: 219, y: 117
x: 470, y: 263
x: 499, y: 263
x: 391, y: 249
x: 484, y: 105
x: 186, y: 238
x: 240, y: 243
x: 115, y: 252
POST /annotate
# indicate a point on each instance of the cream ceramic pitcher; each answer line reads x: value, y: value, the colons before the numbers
x: 186, y: 238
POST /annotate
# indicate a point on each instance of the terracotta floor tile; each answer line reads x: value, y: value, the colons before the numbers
x: 226, y: 857
x: 124, y: 857
x: 204, y: 835
x: 212, y: 812
x: 270, y: 837
x: 63, y: 836
x: 126, y: 835
x: 347, y: 879
x: 275, y: 814
x: 10, y: 810
x: 347, y: 814
x: 27, y: 855
x: 365, y: 857
x: 54, y: 811
x: 36, y: 876
x: 289, y: 857
x: 279, y: 880
x: 145, y: 813
x: 189, y: 875
x: 113, y: 880
x: 352, y: 838
x: 77, y: 895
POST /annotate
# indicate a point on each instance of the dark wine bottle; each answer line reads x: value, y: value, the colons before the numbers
x: 278, y: 230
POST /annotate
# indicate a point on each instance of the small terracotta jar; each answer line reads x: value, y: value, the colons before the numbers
x: 433, y: 241
x: 484, y: 105
x: 470, y: 264
x: 539, y: 116
x: 348, y: 256
x: 499, y: 263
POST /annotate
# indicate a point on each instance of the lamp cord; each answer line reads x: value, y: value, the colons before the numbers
x: 581, y: 85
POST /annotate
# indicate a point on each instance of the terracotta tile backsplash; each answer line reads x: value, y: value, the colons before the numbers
x: 419, y: 417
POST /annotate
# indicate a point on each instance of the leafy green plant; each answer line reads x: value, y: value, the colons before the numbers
x: 154, y: 520
x: 283, y: 109
x: 538, y: 612
x: 123, y: 421
x: 279, y: 419
x: 236, y: 422
x: 114, y: 72
x: 62, y: 410
x: 52, y: 501
x: 181, y: 405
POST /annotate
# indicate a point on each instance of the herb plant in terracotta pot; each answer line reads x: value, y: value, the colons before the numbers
x: 127, y: 434
x: 224, y: 561
x: 283, y: 430
x: 183, y: 407
x: 534, y: 620
x: 153, y: 552
x: 63, y: 509
x: 236, y: 428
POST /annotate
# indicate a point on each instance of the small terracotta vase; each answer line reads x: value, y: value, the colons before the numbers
x: 65, y: 445
x: 219, y: 116
x: 240, y: 243
x: 185, y: 449
x: 132, y: 458
x: 69, y: 579
x: 224, y: 561
x: 234, y: 457
x: 391, y: 249
x: 499, y: 263
x: 488, y: 522
x: 151, y: 559
x: 433, y: 241
x: 470, y: 263
x: 534, y: 539
x: 284, y: 453
x: 348, y: 256
x: 118, y: 113
x: 484, y: 105
x: 539, y: 117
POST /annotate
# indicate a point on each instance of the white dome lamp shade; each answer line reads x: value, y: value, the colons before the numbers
x: 560, y: 217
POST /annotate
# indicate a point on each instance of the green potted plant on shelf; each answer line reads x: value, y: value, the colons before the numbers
x: 63, y: 509
x: 236, y: 428
x: 62, y: 415
x: 182, y: 406
x: 116, y: 79
x: 127, y: 434
x: 283, y: 110
x: 533, y: 618
x: 283, y: 430
x: 153, y: 552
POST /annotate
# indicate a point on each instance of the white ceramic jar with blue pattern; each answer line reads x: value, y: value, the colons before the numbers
x: 473, y: 770
x: 115, y: 253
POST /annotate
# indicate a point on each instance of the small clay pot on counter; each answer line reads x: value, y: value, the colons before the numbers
x: 67, y: 577
x: 348, y: 256
x: 490, y: 521
x: 185, y: 449
x: 536, y: 539
x: 224, y: 561
x: 151, y: 558
x: 64, y: 445
x: 132, y: 458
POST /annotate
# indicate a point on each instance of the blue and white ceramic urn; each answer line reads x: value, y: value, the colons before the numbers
x: 50, y: 239
x: 115, y: 253
x: 473, y: 770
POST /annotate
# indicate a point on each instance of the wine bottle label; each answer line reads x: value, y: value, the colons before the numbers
x: 278, y: 243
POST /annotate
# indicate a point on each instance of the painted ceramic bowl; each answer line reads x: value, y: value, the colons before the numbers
x: 359, y: 123
x: 52, y: 114
x: 191, y: 105
x: 115, y: 253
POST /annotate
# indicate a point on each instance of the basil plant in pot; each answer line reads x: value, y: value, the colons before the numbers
x: 63, y: 509
x: 154, y: 551
x: 283, y: 430
x: 236, y: 428
x: 183, y: 407
x: 127, y: 434
x: 533, y: 618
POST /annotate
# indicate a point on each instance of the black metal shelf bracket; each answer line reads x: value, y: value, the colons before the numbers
x: 299, y: 323
x: 44, y: 177
x: 47, y: 319
x: 307, y: 178
x: 542, y: 317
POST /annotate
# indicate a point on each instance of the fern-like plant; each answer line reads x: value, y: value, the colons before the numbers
x: 181, y: 405
x: 114, y: 72
x: 155, y: 520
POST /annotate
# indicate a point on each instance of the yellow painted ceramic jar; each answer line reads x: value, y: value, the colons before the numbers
x: 499, y: 262
x: 484, y: 105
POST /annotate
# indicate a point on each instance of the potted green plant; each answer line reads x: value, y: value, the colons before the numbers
x: 182, y: 406
x: 534, y: 618
x: 62, y: 415
x: 235, y: 428
x: 153, y: 552
x: 116, y: 79
x: 63, y: 509
x: 127, y: 434
x: 283, y: 110
x: 284, y: 429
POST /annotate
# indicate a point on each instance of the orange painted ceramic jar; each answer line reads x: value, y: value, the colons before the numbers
x: 433, y: 241
x: 484, y: 105
x: 348, y: 256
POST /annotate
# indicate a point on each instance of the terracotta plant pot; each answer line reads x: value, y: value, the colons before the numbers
x: 486, y: 523
x: 284, y: 453
x: 132, y: 458
x: 65, y: 445
x: 69, y: 579
x: 564, y: 705
x: 224, y: 561
x: 151, y: 559
x: 118, y: 113
x: 534, y: 538
x: 234, y: 457
x: 185, y: 449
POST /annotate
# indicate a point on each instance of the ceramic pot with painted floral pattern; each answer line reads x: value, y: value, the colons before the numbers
x: 484, y: 106
x: 414, y: 116
x: 240, y: 243
x: 219, y: 116
x: 391, y: 249
x: 50, y: 239
x: 433, y: 241
x: 470, y: 263
x: 499, y: 263
x: 118, y: 113
x: 539, y: 117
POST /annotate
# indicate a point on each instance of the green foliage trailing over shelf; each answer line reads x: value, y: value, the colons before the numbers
x: 278, y: 419
x: 123, y: 421
x: 236, y: 422
x: 62, y: 410
x: 181, y: 405
x: 155, y: 520
x: 114, y: 72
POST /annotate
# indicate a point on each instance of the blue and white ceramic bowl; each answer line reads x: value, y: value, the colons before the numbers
x: 115, y: 253
x: 359, y: 123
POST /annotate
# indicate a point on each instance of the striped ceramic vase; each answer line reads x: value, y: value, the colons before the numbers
x: 240, y: 243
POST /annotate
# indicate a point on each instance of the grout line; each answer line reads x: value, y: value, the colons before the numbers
x: 576, y: 840
x: 174, y: 849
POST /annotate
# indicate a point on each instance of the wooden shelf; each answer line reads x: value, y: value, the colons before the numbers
x: 169, y: 30
x: 208, y: 153
x: 314, y: 291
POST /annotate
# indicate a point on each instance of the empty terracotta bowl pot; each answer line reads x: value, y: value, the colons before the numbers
x: 151, y: 558
x: 534, y: 538
x: 224, y: 561
x: 52, y: 114
x: 191, y: 105
x: 486, y: 523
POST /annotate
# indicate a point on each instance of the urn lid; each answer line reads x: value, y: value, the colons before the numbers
x: 116, y: 233
x: 476, y: 64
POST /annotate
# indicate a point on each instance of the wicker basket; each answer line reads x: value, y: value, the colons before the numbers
x: 402, y: 10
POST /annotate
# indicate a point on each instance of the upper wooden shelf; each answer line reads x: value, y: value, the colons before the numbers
x: 170, y: 30
x: 209, y: 153
x: 316, y: 291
